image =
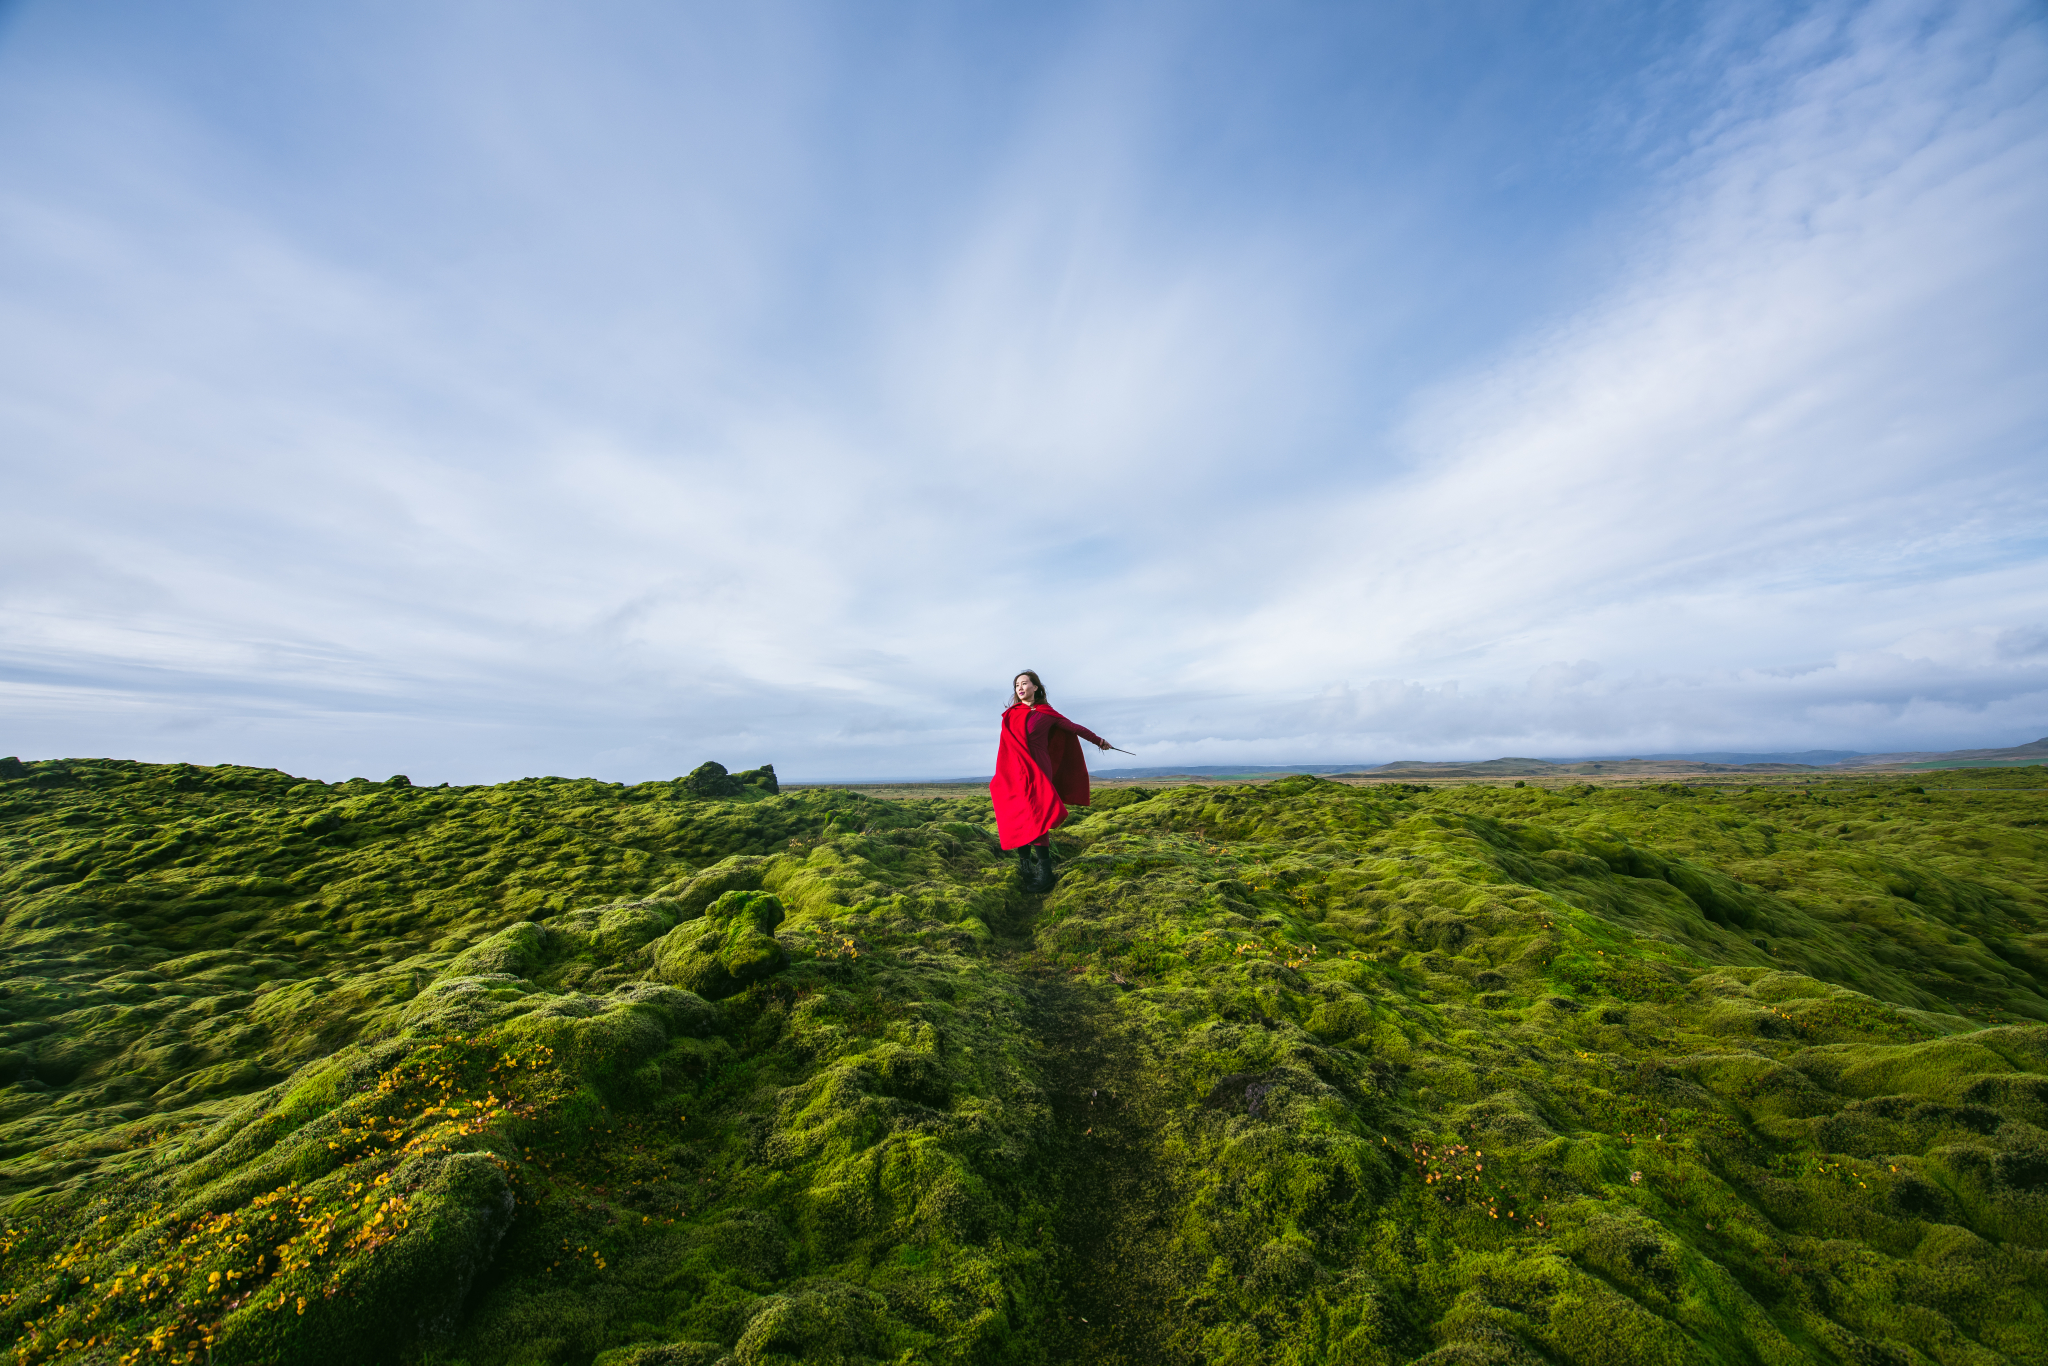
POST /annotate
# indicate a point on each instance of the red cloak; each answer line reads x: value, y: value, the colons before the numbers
x: 1028, y: 802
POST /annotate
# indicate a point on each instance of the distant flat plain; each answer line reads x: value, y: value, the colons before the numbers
x: 1530, y: 772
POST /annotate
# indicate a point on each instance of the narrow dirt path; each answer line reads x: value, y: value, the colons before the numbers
x: 1116, y: 1212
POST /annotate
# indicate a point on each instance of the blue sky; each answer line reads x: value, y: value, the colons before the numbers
x: 476, y: 390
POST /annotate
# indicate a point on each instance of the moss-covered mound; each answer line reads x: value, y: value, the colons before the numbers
x: 701, y: 1072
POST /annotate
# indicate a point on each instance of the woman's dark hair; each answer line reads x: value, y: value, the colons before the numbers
x: 1036, y: 682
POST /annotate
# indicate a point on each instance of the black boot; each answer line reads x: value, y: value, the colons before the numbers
x: 1027, y: 868
x: 1046, y: 876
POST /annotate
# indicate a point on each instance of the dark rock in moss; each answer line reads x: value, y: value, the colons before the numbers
x: 11, y: 767
x: 709, y: 779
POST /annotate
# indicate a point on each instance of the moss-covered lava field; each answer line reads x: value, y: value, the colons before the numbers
x: 572, y: 1072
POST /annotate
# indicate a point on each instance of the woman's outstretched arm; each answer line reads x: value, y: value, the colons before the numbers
x: 1086, y: 734
x: 1038, y: 733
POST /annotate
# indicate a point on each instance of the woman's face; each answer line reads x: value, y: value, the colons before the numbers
x: 1026, y: 689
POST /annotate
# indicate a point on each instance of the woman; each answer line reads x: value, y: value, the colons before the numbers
x: 1038, y: 769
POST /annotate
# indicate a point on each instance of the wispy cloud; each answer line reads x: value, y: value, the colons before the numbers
x: 607, y: 394
x: 1799, y: 434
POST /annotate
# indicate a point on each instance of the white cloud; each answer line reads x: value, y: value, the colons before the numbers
x: 1806, y: 429
x: 578, y: 414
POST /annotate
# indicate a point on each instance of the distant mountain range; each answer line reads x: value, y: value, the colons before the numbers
x: 1711, y: 761
x: 1809, y: 757
x: 2033, y: 753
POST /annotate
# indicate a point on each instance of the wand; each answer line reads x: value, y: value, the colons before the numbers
x: 1120, y: 750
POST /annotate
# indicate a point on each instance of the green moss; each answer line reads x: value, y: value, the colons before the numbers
x: 700, y: 1072
x: 727, y: 950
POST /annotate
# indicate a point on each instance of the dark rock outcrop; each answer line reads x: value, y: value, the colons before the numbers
x: 710, y: 779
